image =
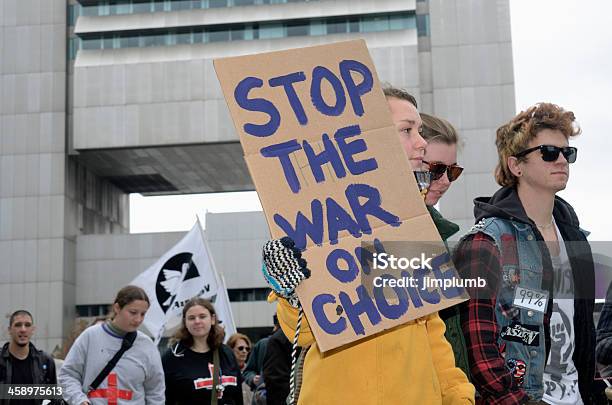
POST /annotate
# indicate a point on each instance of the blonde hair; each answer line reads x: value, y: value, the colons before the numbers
x: 514, y: 136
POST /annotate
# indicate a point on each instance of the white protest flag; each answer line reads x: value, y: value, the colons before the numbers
x: 183, y: 272
x: 224, y: 310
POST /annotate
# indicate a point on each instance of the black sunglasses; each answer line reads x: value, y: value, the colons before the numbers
x: 550, y: 153
x: 437, y: 170
x: 243, y: 348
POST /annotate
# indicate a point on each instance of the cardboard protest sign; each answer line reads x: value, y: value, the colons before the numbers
x: 331, y: 173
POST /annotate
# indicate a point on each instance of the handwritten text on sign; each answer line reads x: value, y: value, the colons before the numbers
x: 329, y: 170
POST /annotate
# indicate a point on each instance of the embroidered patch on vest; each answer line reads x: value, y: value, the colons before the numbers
x: 520, y: 333
x: 511, y: 275
x: 518, y: 369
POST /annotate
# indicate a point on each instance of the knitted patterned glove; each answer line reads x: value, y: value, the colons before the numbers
x: 283, y: 268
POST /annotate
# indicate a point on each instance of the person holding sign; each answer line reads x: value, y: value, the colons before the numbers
x: 530, y: 333
x: 411, y: 363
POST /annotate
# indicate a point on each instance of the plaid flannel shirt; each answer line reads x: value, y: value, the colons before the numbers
x: 476, y: 256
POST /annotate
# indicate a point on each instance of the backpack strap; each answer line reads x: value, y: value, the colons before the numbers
x: 215, y: 377
x: 128, y: 341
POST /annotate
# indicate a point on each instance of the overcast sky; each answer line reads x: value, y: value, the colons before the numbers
x: 562, y: 51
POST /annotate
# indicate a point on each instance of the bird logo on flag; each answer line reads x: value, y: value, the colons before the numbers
x: 178, y: 269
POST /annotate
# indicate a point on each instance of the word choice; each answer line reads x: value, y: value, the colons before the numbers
x: 384, y: 261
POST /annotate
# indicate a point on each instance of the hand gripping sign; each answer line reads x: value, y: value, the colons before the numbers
x: 330, y: 173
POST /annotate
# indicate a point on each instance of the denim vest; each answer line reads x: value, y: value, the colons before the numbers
x: 521, y: 260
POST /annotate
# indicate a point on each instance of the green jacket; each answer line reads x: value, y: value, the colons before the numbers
x: 446, y: 228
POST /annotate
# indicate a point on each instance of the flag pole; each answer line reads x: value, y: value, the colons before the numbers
x: 218, y: 275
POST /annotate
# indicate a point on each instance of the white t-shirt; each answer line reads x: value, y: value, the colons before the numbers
x: 560, y: 374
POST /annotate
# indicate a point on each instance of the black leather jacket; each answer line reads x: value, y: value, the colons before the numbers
x: 43, y: 368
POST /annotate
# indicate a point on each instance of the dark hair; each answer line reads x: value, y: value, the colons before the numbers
x: 514, y: 136
x: 400, y: 94
x: 129, y: 294
x: 439, y: 130
x: 216, y: 334
x: 233, y: 340
x: 20, y: 312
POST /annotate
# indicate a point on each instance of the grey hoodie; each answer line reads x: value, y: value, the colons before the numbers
x: 138, y: 377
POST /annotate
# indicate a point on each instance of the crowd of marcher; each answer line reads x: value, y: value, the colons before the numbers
x: 492, y: 349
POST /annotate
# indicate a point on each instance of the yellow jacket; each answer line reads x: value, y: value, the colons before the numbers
x: 409, y: 364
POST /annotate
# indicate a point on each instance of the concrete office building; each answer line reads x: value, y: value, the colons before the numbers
x: 103, y: 98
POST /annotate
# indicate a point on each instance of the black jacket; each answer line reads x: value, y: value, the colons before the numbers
x: 43, y: 367
x: 506, y: 204
x: 277, y: 368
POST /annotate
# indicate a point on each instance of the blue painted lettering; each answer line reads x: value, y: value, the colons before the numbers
x: 364, y: 305
x: 241, y: 95
x: 332, y: 328
x: 282, y: 152
x: 355, y: 91
x: 287, y: 82
x: 318, y: 74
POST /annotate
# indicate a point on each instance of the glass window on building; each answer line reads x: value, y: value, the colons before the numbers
x: 93, y: 10
x: 249, y: 32
x: 217, y: 3
x: 353, y: 24
x: 244, y: 2
x: 184, y: 38
x: 120, y: 7
x: 92, y: 43
x: 237, y: 34
x: 218, y: 35
x: 271, y: 30
x: 107, y: 43
x: 422, y: 25
x: 336, y: 25
x: 198, y: 37
x: 317, y: 27
x: 74, y: 10
x: 401, y: 22
x: 375, y: 24
x: 247, y: 294
x: 298, y: 28
x: 142, y: 7
x: 73, y: 46
x: 158, y: 5
x: 154, y: 40
x: 178, y: 5
x: 128, y: 42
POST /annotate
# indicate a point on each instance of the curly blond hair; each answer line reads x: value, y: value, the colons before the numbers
x: 514, y: 136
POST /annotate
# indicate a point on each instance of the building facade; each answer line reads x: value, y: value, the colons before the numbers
x: 103, y: 98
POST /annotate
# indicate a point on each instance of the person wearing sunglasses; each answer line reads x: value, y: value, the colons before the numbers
x: 241, y: 346
x: 441, y: 161
x: 410, y: 364
x: 530, y: 333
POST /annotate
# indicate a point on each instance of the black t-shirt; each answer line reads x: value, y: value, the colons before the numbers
x: 22, y: 374
x: 188, y: 377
